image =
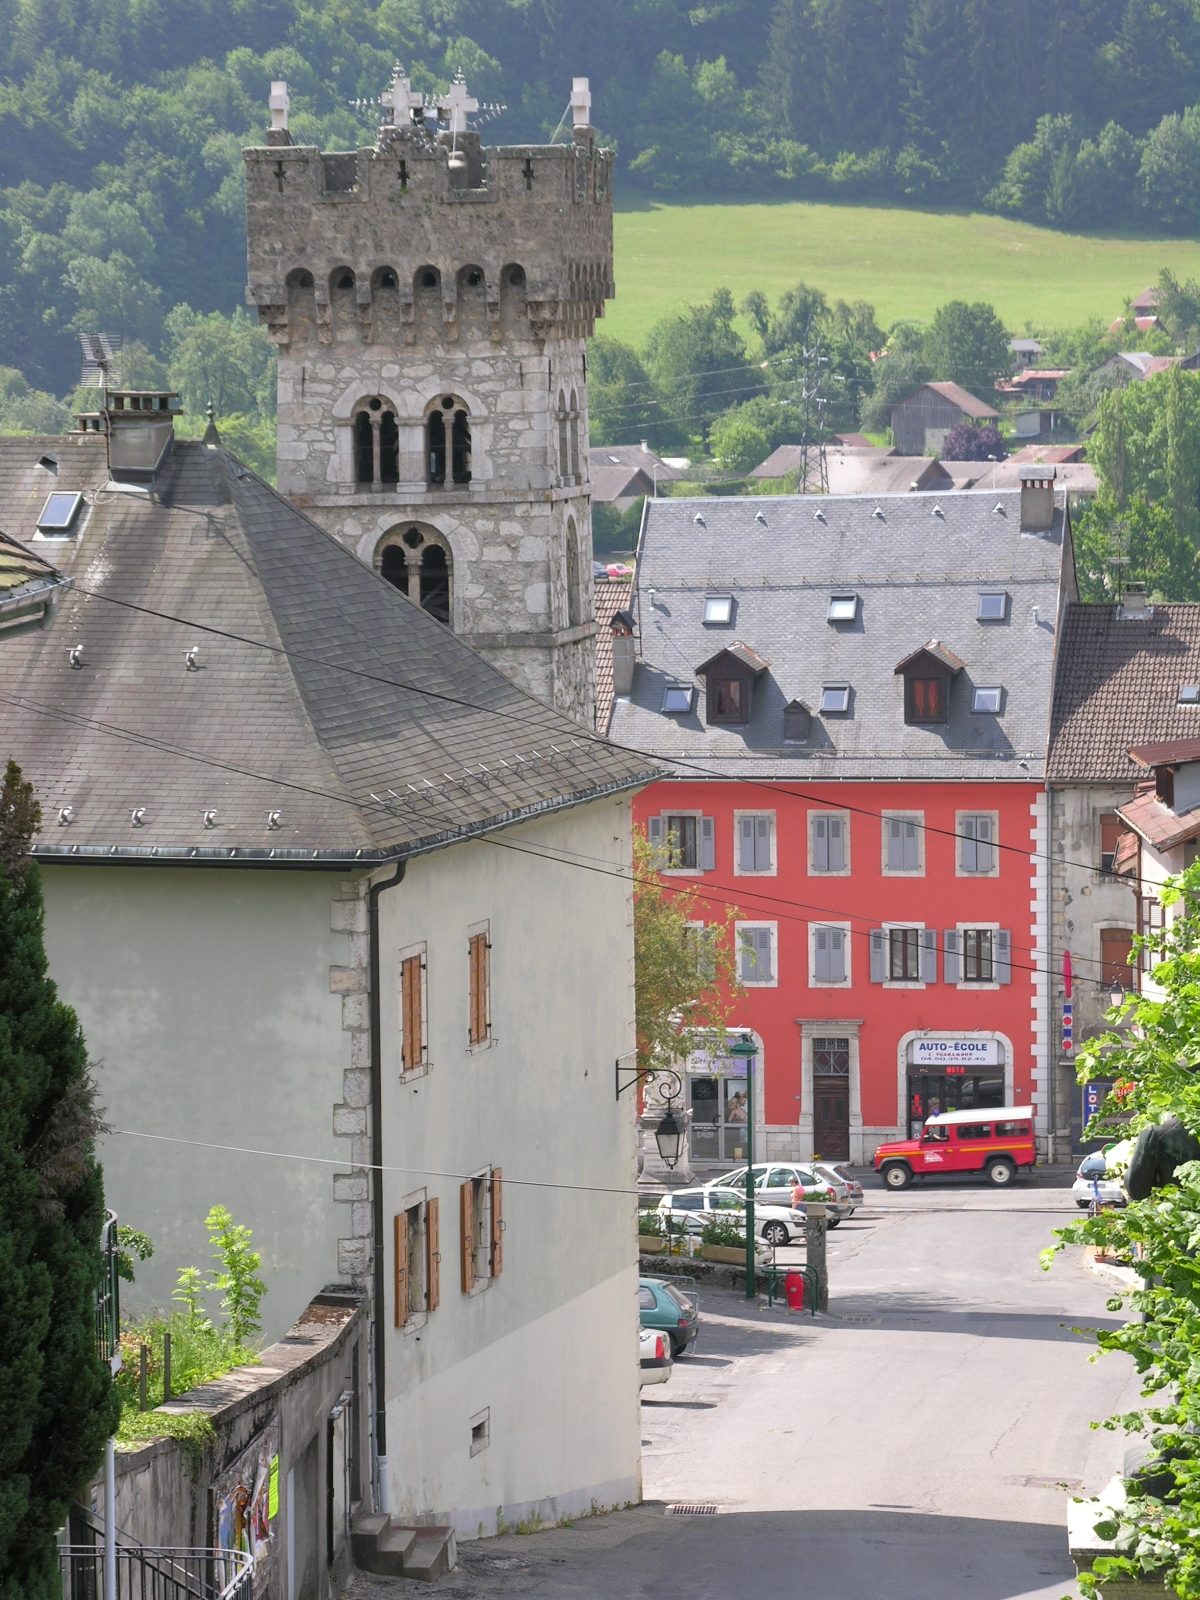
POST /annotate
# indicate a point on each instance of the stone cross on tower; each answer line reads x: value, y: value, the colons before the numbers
x: 457, y: 102
x: 399, y: 99
x: 581, y: 103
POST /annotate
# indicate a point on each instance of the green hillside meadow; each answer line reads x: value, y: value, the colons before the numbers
x: 906, y: 263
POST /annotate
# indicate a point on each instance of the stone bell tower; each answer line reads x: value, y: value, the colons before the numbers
x: 431, y: 299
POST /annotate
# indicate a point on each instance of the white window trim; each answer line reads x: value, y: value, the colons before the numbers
x: 482, y: 1280
x: 754, y: 872
x: 489, y: 1040
x: 902, y: 872
x: 417, y: 1317
x: 976, y: 985
x: 831, y: 1028
x: 422, y: 1067
x: 830, y: 983
x: 758, y: 983
x: 902, y: 983
x: 681, y: 872
x: 817, y: 872
x: 959, y: 870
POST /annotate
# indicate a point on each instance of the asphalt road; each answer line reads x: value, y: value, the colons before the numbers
x: 912, y: 1445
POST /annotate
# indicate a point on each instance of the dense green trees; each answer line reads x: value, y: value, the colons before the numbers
x: 57, y: 1404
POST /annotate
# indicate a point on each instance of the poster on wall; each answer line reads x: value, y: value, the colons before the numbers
x: 245, y: 1505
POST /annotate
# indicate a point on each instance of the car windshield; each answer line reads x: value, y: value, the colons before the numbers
x: 1093, y: 1166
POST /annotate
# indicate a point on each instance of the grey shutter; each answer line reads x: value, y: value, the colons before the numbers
x: 762, y: 844
x: 837, y: 955
x: 985, y: 849
x: 708, y: 845
x: 912, y: 858
x: 1003, y: 963
x: 951, y: 960
x: 746, y: 844
x: 762, y: 944
x: 928, y: 942
x: 654, y: 832
x: 822, y: 970
x: 895, y: 845
x: 820, y: 844
x: 836, y: 853
x: 969, y: 845
x: 878, y: 969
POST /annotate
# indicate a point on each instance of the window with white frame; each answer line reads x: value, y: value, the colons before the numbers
x: 416, y: 1259
x: 977, y: 833
x: 828, y: 843
x: 903, y: 843
x: 754, y: 842
x: 978, y: 954
x: 829, y: 953
x: 756, y: 953
x: 903, y: 953
x: 684, y: 841
x: 481, y: 1229
x: 414, y: 1057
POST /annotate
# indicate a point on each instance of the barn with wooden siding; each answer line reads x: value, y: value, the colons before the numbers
x: 921, y: 421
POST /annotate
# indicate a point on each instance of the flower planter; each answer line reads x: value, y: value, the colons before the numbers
x: 733, y: 1255
x: 651, y: 1244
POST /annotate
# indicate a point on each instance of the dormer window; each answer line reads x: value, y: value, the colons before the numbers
x: 728, y: 700
x: 835, y: 698
x: 797, y: 722
x: 842, y: 608
x: 925, y: 699
x: 928, y: 674
x: 993, y: 605
x: 1189, y: 694
x: 987, y: 699
x: 677, y: 699
x: 718, y: 610
x: 729, y: 679
x: 57, y: 516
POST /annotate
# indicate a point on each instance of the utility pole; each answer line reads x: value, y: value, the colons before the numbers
x: 812, y: 476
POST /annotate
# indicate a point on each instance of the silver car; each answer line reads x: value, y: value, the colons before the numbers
x: 775, y: 1180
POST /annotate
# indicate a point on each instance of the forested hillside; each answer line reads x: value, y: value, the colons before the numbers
x: 121, y: 123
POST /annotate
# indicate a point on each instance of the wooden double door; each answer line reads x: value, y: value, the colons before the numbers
x: 831, y: 1118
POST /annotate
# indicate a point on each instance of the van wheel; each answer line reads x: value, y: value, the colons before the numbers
x: 1000, y: 1172
x: 897, y: 1175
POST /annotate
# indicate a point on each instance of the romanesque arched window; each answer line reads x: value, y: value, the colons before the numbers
x: 574, y: 575
x: 574, y: 419
x: 448, y: 442
x: 417, y: 561
x: 376, y: 442
x: 564, y: 458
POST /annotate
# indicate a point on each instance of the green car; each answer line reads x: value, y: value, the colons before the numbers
x: 665, y: 1307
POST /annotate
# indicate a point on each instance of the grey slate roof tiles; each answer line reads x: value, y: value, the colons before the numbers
x: 918, y: 576
x: 366, y: 724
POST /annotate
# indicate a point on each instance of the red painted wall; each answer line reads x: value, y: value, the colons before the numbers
x: 867, y: 898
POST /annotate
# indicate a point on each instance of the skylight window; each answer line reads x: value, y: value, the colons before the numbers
x: 1189, y: 694
x: 843, y: 608
x: 987, y: 699
x: 59, y: 512
x: 718, y: 610
x: 678, y: 697
x: 993, y: 605
x: 835, y: 697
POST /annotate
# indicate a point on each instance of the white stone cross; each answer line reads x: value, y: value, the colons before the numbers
x: 581, y: 103
x: 278, y: 104
x: 399, y: 99
x: 457, y: 102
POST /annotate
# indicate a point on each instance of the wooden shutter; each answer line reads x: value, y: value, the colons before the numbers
x: 820, y: 844
x: 433, y: 1256
x: 400, y: 1267
x: 1116, y: 945
x: 951, y: 959
x: 497, y: 1222
x: 1003, y: 963
x: 412, y: 1023
x: 746, y: 844
x: 1111, y: 829
x: 477, y: 1025
x: 708, y: 845
x: 836, y: 850
x: 466, y: 1203
x: 878, y: 955
x: 929, y: 944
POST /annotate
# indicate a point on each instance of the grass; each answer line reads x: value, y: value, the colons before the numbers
x: 907, y: 263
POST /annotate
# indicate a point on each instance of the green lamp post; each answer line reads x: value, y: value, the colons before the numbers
x: 744, y: 1049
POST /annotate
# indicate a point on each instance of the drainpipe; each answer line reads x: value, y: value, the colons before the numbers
x: 379, y: 1414
x: 110, y: 1519
x: 1053, y: 1021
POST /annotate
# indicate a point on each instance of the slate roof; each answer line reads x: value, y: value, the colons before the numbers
x: 918, y: 575
x: 365, y: 724
x: 1076, y: 477
x: 614, y: 470
x: 27, y: 580
x: 880, y: 472
x: 1117, y: 685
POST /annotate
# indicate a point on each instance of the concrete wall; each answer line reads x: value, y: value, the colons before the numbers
x: 164, y: 1499
x: 548, y: 1346
x: 208, y: 1001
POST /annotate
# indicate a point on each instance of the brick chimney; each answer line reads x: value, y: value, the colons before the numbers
x: 1037, y: 499
x: 624, y: 652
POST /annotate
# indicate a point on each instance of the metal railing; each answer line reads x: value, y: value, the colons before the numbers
x: 145, y: 1572
x: 108, y: 1298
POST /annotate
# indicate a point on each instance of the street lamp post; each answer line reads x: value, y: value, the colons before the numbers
x: 744, y: 1049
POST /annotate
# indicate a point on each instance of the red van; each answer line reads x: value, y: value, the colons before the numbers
x: 996, y: 1143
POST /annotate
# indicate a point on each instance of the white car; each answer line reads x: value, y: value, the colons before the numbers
x: 774, y: 1181
x: 655, y: 1351
x: 692, y: 1208
x: 1093, y: 1181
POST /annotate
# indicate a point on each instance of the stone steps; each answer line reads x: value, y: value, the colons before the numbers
x: 394, y: 1551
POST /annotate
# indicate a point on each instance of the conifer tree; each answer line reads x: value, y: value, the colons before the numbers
x: 57, y: 1403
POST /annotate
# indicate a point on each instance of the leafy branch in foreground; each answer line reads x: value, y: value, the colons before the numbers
x: 1154, y: 1059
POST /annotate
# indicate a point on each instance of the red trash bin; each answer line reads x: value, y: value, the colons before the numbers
x: 795, y: 1291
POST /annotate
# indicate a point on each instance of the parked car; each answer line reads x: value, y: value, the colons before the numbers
x: 665, y: 1308
x: 656, y: 1359
x: 1093, y: 1181
x: 774, y: 1182
x: 990, y: 1143
x: 693, y: 1207
x: 842, y: 1170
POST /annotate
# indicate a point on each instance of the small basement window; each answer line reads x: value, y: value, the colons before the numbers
x: 678, y: 697
x: 718, y: 610
x: 1189, y: 694
x: 835, y: 697
x: 993, y: 605
x: 843, y: 608
x: 58, y: 514
x: 987, y: 699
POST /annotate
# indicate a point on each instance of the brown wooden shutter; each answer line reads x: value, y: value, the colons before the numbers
x: 1116, y: 945
x: 1111, y: 829
x: 466, y: 1201
x: 400, y: 1267
x: 477, y: 1029
x: 412, y: 1051
x: 433, y: 1256
x: 497, y: 1222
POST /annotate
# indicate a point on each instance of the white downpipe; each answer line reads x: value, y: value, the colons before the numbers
x: 110, y: 1520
